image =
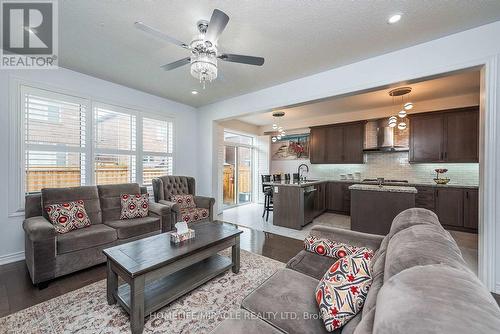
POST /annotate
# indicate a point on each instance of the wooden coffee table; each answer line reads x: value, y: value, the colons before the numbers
x: 156, y: 271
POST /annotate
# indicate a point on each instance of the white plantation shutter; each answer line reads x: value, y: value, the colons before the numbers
x: 157, y: 145
x: 115, y: 144
x: 69, y: 141
x: 54, y: 139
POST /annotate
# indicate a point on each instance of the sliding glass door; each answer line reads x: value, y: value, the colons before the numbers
x: 237, y: 169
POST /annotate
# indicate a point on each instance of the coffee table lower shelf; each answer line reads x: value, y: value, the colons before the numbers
x: 163, y: 291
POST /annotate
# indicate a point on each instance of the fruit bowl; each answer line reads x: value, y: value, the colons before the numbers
x: 443, y: 180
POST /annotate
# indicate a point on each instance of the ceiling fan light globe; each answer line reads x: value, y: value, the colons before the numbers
x: 402, y: 126
x: 402, y: 114
x: 275, y: 126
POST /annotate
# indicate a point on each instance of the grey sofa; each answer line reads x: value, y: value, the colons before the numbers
x: 421, y: 284
x: 165, y: 187
x: 50, y: 255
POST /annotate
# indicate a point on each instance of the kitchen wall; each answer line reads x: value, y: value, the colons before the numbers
x: 387, y: 165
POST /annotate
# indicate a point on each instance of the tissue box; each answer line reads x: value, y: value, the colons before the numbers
x: 176, y: 237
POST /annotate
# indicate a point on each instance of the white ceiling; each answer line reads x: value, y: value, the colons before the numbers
x: 463, y: 83
x: 297, y: 38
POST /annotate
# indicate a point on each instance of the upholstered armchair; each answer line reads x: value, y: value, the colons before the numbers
x: 165, y: 187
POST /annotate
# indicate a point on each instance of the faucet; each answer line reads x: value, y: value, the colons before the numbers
x: 300, y: 167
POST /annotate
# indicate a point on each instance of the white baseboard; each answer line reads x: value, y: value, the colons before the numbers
x: 4, y: 259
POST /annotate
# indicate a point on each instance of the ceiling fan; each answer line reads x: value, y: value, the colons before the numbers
x: 204, y: 48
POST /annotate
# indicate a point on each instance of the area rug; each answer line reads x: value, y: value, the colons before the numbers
x: 86, y: 310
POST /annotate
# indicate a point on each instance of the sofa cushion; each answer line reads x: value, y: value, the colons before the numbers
x: 310, y: 264
x: 244, y: 322
x: 84, y: 238
x: 127, y: 228
x: 420, y: 245
x: 68, y: 216
x: 134, y: 206
x: 110, y: 198
x: 330, y: 248
x: 183, y: 201
x: 342, y: 291
x: 435, y: 299
x: 190, y: 215
x: 88, y: 194
x: 287, y: 292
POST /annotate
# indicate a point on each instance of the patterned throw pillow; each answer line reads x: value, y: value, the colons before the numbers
x: 134, y: 206
x: 68, y: 216
x: 183, y: 201
x: 342, y: 291
x: 330, y: 248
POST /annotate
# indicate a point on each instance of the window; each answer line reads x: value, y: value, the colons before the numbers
x: 70, y: 141
x: 115, y: 145
x: 54, y: 139
x: 157, y: 144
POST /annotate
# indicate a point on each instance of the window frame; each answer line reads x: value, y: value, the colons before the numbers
x: 17, y: 147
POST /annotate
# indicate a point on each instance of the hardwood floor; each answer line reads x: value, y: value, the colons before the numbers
x: 17, y: 291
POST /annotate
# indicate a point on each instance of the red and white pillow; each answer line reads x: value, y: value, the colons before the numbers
x: 184, y: 201
x: 68, y: 216
x: 134, y: 206
x: 342, y: 291
x: 330, y: 248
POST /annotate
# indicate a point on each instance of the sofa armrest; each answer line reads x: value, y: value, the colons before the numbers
x: 38, y: 228
x: 159, y: 209
x: 172, y: 206
x: 40, y: 248
x: 204, y: 202
x: 354, y: 238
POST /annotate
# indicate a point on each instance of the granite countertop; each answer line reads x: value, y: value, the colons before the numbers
x: 392, y: 189
x: 291, y: 183
x: 410, y: 184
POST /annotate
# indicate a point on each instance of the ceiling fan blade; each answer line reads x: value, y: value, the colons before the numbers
x: 159, y: 34
x: 216, y: 26
x: 250, y: 60
x: 175, y: 64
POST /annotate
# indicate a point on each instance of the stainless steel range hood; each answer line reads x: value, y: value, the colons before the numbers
x: 380, y: 137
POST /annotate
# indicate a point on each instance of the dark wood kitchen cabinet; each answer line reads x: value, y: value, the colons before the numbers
x: 445, y: 136
x: 471, y: 208
x: 320, y: 198
x: 338, y: 198
x: 425, y: 198
x: 337, y: 143
x: 458, y: 208
x: 449, y: 206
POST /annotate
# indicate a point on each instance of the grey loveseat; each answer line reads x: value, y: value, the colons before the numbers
x: 50, y: 255
x: 421, y: 284
x: 165, y: 187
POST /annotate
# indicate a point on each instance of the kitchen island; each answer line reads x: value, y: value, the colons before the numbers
x: 296, y: 204
x: 374, y: 207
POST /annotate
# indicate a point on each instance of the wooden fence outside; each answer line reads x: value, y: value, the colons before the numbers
x: 244, y: 182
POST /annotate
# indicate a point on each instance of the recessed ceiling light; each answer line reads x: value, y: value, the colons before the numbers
x: 394, y: 18
x: 194, y: 92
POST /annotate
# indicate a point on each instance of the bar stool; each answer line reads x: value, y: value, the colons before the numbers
x: 268, y: 196
x: 277, y: 177
x: 287, y: 177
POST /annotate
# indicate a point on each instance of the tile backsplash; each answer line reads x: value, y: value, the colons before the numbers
x: 388, y: 165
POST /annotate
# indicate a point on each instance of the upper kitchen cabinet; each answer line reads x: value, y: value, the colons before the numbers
x: 445, y: 136
x: 337, y: 143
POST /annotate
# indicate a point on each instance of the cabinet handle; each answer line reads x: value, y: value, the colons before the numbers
x: 445, y: 155
x: 467, y: 194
